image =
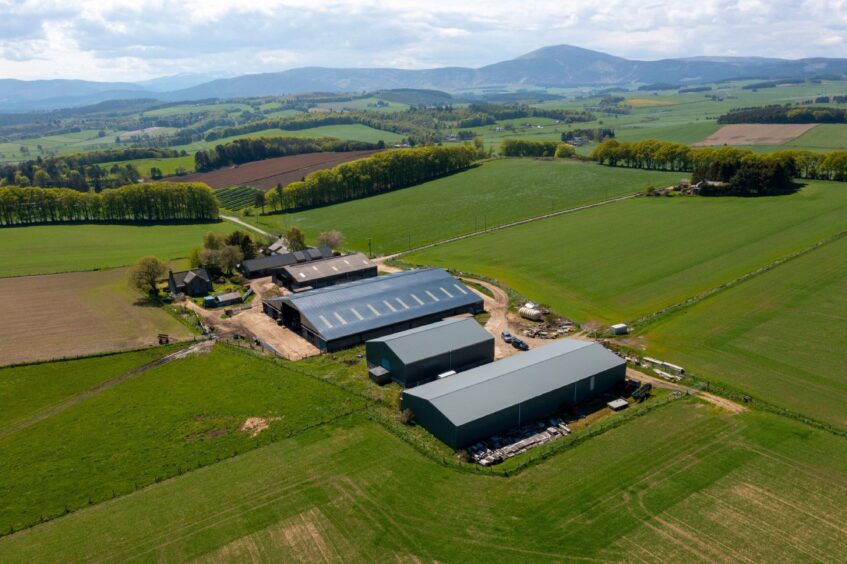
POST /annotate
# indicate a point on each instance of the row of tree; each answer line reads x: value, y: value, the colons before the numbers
x: 525, y: 148
x: 247, y: 150
x: 743, y: 171
x: 785, y: 114
x: 137, y: 203
x: 379, y: 173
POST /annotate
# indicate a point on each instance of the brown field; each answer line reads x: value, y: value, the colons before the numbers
x: 281, y: 170
x: 78, y: 313
x: 755, y: 134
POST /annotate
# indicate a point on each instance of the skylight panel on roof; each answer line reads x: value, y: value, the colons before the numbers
x: 339, y: 318
x: 373, y: 309
x: 391, y: 307
x: 431, y: 295
x: 357, y: 314
x: 446, y: 293
x: 326, y: 321
x: 462, y: 290
x: 417, y: 299
x: 402, y: 303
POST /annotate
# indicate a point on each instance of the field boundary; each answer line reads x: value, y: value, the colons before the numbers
x: 650, y: 318
x: 508, y: 225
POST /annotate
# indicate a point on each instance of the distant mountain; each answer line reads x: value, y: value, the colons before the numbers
x: 556, y: 66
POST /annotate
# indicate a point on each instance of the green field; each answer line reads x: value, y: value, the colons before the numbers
x: 494, y: 193
x: 164, y: 422
x: 714, y: 487
x: 628, y: 259
x: 168, y: 165
x: 778, y: 336
x: 46, y: 249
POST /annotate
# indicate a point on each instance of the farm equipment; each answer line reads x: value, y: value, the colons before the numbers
x: 642, y: 393
x: 164, y: 339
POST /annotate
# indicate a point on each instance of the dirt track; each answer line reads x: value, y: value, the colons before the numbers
x: 253, y: 322
x: 268, y: 173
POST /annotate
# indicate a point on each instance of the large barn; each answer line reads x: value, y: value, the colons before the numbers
x: 266, y: 266
x: 417, y: 356
x: 473, y: 405
x: 325, y: 272
x: 342, y: 316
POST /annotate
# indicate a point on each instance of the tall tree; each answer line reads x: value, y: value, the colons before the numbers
x: 145, y: 275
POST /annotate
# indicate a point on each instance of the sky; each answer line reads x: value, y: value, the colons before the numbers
x: 123, y: 40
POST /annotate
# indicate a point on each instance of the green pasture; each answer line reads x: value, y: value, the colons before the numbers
x: 624, y: 260
x: 161, y: 423
x: 778, y: 337
x: 353, y: 132
x: 46, y: 249
x: 494, y: 193
x: 686, y: 483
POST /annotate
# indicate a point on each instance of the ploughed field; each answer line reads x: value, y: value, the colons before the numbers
x: 756, y: 134
x: 270, y: 172
x: 77, y: 313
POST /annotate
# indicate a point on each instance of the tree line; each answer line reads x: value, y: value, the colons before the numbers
x: 379, y: 173
x: 82, y: 171
x: 525, y: 148
x: 136, y: 203
x: 247, y: 150
x: 785, y: 114
x: 745, y: 171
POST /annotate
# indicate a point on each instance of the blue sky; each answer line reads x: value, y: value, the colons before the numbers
x: 141, y: 39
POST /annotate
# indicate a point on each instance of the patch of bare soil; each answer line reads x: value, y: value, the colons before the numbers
x: 755, y: 134
x: 255, y: 425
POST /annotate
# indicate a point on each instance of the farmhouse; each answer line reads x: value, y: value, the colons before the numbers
x: 265, y: 266
x: 195, y: 282
x: 341, y: 316
x: 325, y: 272
x: 420, y: 355
x: 517, y: 390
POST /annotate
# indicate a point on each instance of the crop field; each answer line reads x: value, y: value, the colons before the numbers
x: 236, y: 198
x: 778, y: 337
x: 619, y: 262
x: 281, y: 170
x: 494, y: 193
x: 825, y: 136
x: 168, y: 165
x: 756, y: 134
x: 353, y: 132
x: 160, y: 423
x: 77, y: 313
x: 86, y: 140
x: 45, y: 249
x: 715, y: 487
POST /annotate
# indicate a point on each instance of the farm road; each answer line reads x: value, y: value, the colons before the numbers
x: 234, y: 219
x: 201, y: 347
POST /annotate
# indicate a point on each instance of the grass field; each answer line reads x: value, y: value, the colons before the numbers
x: 161, y: 423
x: 713, y: 488
x: 37, y: 387
x: 496, y: 192
x: 168, y: 165
x: 628, y: 259
x: 77, y: 313
x: 778, y: 336
x: 46, y: 249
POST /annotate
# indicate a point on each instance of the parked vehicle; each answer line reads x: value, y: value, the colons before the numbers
x: 519, y: 344
x: 507, y: 337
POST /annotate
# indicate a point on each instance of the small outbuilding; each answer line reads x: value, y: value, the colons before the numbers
x: 325, y: 272
x: 194, y: 282
x: 220, y: 300
x: 518, y: 390
x: 419, y: 355
x: 620, y: 329
x: 266, y: 266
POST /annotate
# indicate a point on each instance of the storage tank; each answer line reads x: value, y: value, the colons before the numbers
x: 530, y: 313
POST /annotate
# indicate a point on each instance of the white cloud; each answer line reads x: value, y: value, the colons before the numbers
x: 132, y: 40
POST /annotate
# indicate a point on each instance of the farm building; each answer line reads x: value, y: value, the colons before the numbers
x: 220, y: 300
x: 278, y: 247
x: 325, y: 272
x: 266, y: 266
x: 341, y: 316
x: 419, y: 355
x: 515, y: 391
x: 195, y: 282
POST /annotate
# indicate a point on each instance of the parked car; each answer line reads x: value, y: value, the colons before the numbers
x: 507, y: 337
x: 523, y: 346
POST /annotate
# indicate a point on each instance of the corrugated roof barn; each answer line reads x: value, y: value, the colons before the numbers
x: 517, y: 390
x: 345, y: 315
x: 419, y: 355
x: 265, y: 266
x: 325, y: 272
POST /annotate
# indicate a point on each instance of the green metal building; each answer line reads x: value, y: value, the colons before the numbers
x: 419, y: 355
x: 474, y: 405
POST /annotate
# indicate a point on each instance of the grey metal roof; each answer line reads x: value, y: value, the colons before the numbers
x: 306, y: 272
x: 348, y: 309
x: 436, y: 338
x: 478, y: 392
x: 185, y: 276
x: 228, y: 296
x: 285, y: 259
